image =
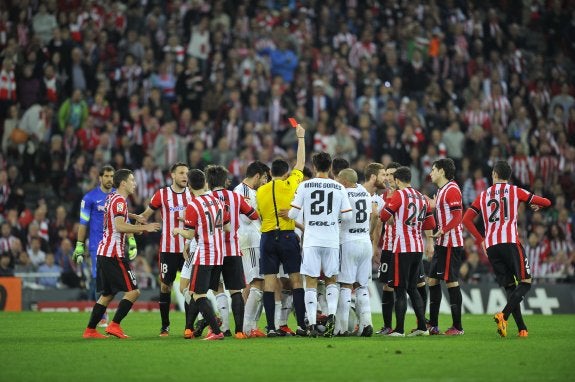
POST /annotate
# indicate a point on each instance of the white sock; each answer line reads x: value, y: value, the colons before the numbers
x: 332, y: 295
x: 311, y: 305
x: 364, y: 308
x: 287, y: 302
x: 277, y: 314
x: 253, y: 302
x: 224, y: 310
x: 321, y: 301
x: 343, y: 305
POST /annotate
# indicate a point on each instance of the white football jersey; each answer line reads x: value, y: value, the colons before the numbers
x: 357, y: 227
x: 322, y: 202
x: 249, y: 230
x: 378, y: 199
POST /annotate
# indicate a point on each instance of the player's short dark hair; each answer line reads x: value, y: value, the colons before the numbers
x: 176, y: 165
x: 321, y: 161
x: 391, y: 165
x: 121, y: 175
x: 279, y: 167
x: 106, y: 168
x: 502, y: 169
x: 307, y: 172
x: 447, y: 165
x: 196, y: 179
x: 338, y: 164
x: 256, y: 167
x: 372, y: 169
x: 216, y: 176
x: 403, y: 174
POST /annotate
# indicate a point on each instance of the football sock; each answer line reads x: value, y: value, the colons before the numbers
x: 516, y: 313
x: 515, y: 298
x: 321, y: 300
x: 422, y: 290
x: 253, y: 302
x: 187, y: 313
x: 332, y: 294
x: 208, y: 314
x: 455, y: 301
x: 363, y: 306
x: 123, y: 308
x: 387, y: 303
x: 400, y: 309
x: 287, y: 303
x: 165, y: 299
x: 193, y: 312
x: 417, y: 305
x: 299, y: 306
x: 343, y: 306
x: 277, y: 313
x: 97, y: 312
x: 269, y: 306
x: 224, y: 310
x: 311, y: 305
x: 238, y: 309
x: 435, y: 296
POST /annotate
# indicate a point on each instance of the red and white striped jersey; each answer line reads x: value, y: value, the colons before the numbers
x: 410, y: 211
x: 113, y: 242
x: 172, y: 205
x: 389, y: 228
x: 448, y: 200
x: 205, y: 214
x: 235, y: 205
x: 498, y: 206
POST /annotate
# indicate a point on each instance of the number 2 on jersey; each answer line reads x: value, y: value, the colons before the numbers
x: 414, y: 215
x: 318, y: 197
x: 494, y: 216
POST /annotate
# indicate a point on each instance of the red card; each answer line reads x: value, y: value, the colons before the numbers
x: 292, y: 122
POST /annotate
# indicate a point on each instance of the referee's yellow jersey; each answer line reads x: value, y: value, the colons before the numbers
x: 284, y: 193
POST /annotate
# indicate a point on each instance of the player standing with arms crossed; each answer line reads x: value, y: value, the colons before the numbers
x: 171, y: 201
x: 498, y: 206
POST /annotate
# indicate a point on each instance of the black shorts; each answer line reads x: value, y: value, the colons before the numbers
x: 385, y: 271
x: 204, y: 278
x: 407, y: 270
x: 421, y: 272
x: 509, y: 263
x: 113, y: 275
x: 233, y: 273
x: 446, y: 263
x: 279, y: 247
x: 170, y: 264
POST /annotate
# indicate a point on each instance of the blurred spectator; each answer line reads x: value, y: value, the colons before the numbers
x: 49, y: 267
x: 472, y: 270
x: 5, y: 269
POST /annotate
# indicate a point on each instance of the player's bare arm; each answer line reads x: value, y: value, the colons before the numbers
x: 124, y: 227
x: 188, y: 234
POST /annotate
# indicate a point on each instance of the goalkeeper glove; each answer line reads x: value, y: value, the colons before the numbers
x: 78, y: 255
x: 132, y: 248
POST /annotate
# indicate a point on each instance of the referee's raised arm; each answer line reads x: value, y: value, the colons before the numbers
x: 300, y: 156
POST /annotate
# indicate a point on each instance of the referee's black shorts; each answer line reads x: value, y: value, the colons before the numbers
x: 279, y: 247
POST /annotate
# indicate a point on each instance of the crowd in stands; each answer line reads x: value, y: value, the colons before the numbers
x: 142, y: 84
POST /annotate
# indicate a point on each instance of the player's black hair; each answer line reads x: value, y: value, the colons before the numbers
x: 321, y: 161
x: 121, y: 175
x: 307, y: 172
x: 447, y: 165
x: 216, y: 176
x: 279, y: 167
x: 403, y: 174
x: 106, y: 168
x: 392, y: 165
x: 176, y: 165
x: 256, y: 167
x: 196, y: 179
x: 502, y: 169
x: 338, y: 164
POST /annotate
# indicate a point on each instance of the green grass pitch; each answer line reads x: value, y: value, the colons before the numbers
x: 48, y: 347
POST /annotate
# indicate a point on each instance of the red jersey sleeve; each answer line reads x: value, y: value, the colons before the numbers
x: 429, y: 222
x: 529, y: 198
x: 191, y: 219
x: 156, y: 201
x: 391, y: 206
x: 248, y: 210
x: 118, y: 207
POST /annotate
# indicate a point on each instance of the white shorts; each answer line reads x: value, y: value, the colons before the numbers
x: 318, y: 259
x: 251, y: 263
x: 355, y: 262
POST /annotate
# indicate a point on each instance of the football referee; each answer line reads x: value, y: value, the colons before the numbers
x: 279, y: 244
